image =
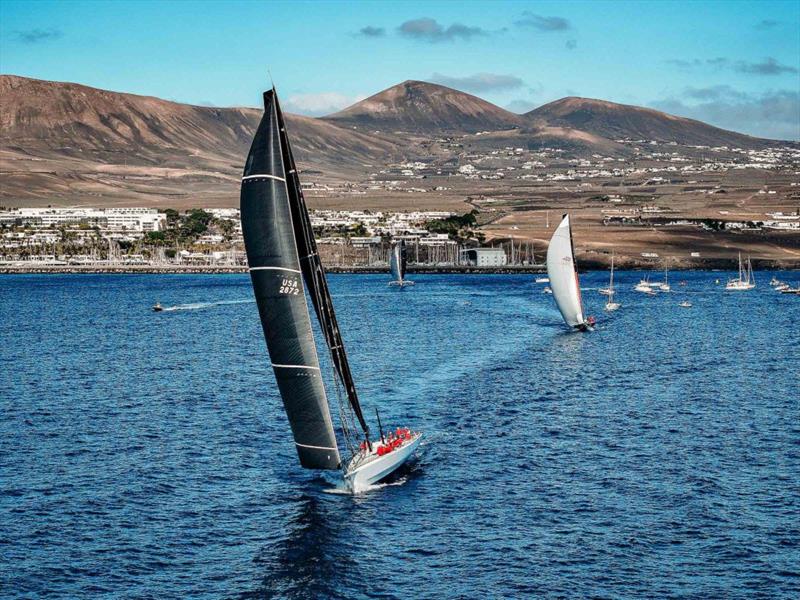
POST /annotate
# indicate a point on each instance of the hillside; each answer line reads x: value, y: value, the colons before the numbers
x: 64, y: 143
x: 69, y: 139
x: 417, y: 106
x: 617, y: 121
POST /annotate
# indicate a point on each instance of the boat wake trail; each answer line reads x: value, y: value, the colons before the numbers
x: 202, y: 305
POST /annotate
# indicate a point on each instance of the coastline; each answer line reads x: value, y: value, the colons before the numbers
x: 697, y: 265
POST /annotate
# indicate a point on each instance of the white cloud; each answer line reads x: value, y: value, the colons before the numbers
x: 480, y: 82
x: 771, y: 114
x: 316, y: 105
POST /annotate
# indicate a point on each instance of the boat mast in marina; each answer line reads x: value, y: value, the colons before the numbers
x: 563, y: 274
x: 284, y: 265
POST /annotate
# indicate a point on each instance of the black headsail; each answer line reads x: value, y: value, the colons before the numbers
x: 272, y: 253
x: 314, y: 276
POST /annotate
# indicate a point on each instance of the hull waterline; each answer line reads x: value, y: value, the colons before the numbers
x: 363, y: 472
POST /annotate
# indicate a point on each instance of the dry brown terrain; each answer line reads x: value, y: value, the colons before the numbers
x: 67, y: 144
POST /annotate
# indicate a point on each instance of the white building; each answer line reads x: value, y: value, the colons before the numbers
x: 115, y: 219
x: 486, y: 257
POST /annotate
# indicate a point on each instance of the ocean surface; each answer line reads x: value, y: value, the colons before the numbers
x: 147, y: 455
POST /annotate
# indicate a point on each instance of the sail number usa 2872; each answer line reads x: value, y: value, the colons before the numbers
x: 290, y: 287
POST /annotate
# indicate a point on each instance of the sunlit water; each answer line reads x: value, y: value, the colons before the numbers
x: 146, y: 455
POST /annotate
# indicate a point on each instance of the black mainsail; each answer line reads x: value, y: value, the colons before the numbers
x: 283, y: 259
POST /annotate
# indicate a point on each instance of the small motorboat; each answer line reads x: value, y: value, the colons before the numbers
x: 542, y: 280
x: 685, y: 304
x: 157, y: 307
x: 781, y: 287
x: 789, y: 290
x: 547, y: 290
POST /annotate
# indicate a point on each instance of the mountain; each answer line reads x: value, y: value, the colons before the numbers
x: 617, y: 121
x: 64, y: 143
x: 70, y: 140
x: 420, y: 107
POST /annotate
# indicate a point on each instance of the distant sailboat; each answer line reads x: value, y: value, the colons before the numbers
x: 663, y: 286
x: 609, y: 291
x: 563, y: 275
x: 284, y: 265
x: 745, y: 280
x: 610, y: 304
x: 397, y: 264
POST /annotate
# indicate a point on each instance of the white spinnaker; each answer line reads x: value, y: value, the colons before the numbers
x: 563, y: 277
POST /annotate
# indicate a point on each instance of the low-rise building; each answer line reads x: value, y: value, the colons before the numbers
x: 486, y: 257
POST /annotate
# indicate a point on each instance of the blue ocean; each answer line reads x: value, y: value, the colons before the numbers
x: 147, y: 455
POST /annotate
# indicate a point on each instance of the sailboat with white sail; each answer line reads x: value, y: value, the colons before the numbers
x: 563, y: 274
x: 398, y: 259
x: 745, y: 280
x: 610, y: 304
x: 609, y: 291
x: 284, y: 265
x: 663, y: 285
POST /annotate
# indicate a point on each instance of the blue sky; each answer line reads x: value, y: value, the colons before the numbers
x: 734, y: 64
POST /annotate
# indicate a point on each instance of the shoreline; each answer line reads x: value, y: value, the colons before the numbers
x: 698, y: 265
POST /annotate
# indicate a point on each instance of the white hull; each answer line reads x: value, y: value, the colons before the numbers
x: 611, y: 306
x: 606, y: 291
x: 365, y: 469
x: 401, y: 283
x: 542, y: 280
x: 739, y: 285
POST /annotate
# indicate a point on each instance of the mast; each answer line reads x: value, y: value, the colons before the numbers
x: 741, y: 269
x: 272, y: 253
x: 314, y: 275
x: 611, y: 282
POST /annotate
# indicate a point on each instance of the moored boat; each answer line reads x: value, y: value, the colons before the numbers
x: 609, y: 291
x: 644, y: 286
x: 745, y: 281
